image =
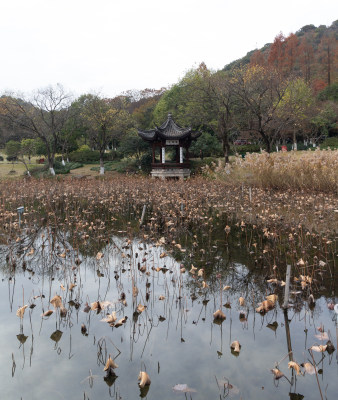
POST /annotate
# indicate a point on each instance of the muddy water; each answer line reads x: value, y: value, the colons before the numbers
x: 175, y: 339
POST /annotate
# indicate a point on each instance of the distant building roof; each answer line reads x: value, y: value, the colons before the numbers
x: 168, y: 130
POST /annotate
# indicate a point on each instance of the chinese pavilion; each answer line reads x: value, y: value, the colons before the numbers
x: 170, y: 134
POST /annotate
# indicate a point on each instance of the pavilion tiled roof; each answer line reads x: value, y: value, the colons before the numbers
x: 168, y: 130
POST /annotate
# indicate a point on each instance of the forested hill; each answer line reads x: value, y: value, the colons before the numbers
x: 311, y: 53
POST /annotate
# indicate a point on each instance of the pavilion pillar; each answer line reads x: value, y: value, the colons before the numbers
x: 163, y: 155
x: 181, y: 155
x: 153, y: 148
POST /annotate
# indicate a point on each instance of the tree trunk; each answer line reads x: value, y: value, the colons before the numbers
x: 101, y: 165
x: 226, y: 150
x: 224, y: 136
x: 26, y: 166
x: 294, y: 140
x: 328, y: 65
x: 266, y: 141
x: 51, y: 164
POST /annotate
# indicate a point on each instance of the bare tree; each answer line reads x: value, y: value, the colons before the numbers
x: 43, y: 115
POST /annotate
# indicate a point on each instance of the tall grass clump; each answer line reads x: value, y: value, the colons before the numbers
x: 310, y: 170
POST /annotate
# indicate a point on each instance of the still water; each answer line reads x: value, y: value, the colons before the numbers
x: 175, y: 339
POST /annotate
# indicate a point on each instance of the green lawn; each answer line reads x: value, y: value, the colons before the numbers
x: 7, y: 170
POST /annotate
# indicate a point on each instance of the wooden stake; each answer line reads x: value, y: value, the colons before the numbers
x: 287, y: 287
x: 143, y: 214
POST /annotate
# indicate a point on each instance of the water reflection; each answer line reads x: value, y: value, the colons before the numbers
x: 130, y: 299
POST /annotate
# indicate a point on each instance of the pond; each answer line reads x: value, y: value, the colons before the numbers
x: 159, y: 296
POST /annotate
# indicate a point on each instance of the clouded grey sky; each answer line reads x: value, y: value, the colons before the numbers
x: 115, y: 45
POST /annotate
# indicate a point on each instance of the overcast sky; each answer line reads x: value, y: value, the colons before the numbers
x: 115, y: 45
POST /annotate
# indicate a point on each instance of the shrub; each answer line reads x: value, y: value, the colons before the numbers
x: 89, y: 156
x: 329, y: 93
x: 40, y: 171
x: 73, y: 165
x: 197, y: 166
x: 1, y: 158
x: 145, y: 162
x: 331, y: 142
x: 61, y: 169
x: 108, y: 166
x: 84, y: 147
x: 12, y: 158
x: 246, y: 148
x: 206, y: 145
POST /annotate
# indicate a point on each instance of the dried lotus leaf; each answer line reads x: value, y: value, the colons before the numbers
x: 236, y: 346
x: 71, y: 286
x: 56, y: 301
x: 295, y: 366
x: 319, y: 349
x: 144, y: 379
x: 110, y: 364
x: 265, y: 306
x: 47, y: 313
x: 219, y: 315
x: 309, y: 368
x: 21, y: 311
x: 141, y: 308
x: 277, y: 373
x: 272, y: 297
x: 110, y: 318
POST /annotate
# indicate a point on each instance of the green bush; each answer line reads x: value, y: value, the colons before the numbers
x: 1, y: 158
x: 127, y: 166
x: 12, y: 158
x: 61, y: 169
x: 108, y: 166
x: 89, y: 156
x: 84, y: 147
x: 145, y: 162
x: 329, y: 93
x: 246, y: 148
x: 40, y: 171
x: 196, y: 165
x: 331, y: 142
x: 73, y: 165
x: 206, y: 145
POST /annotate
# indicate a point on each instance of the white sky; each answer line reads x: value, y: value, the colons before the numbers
x: 115, y: 45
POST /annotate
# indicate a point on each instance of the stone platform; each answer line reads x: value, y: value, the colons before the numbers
x: 167, y: 173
